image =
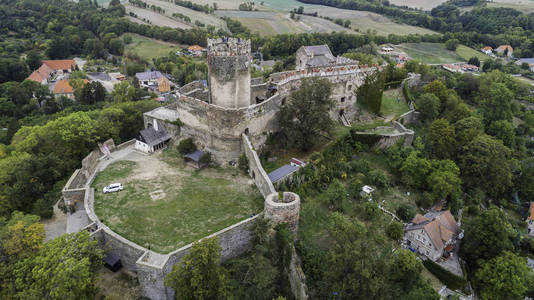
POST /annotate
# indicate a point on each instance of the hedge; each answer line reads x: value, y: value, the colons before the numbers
x: 452, y: 281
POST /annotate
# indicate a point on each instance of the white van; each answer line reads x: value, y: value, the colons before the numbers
x: 114, y: 187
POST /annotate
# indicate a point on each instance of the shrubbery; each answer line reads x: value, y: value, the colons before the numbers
x: 452, y: 281
x: 186, y: 146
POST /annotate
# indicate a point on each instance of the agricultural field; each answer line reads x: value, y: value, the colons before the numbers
x: 422, y: 4
x: 435, y: 53
x: 171, y: 8
x: 148, y: 48
x: 466, y: 53
x: 154, y: 17
x: 363, y: 21
x: 166, y: 204
x: 525, y: 6
x: 264, y: 22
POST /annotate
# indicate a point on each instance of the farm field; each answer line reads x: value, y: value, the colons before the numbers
x: 435, y: 53
x: 525, y: 6
x: 363, y: 21
x: 466, y: 53
x: 263, y: 22
x: 155, y: 18
x: 148, y: 48
x: 423, y: 4
x: 166, y: 204
x: 171, y: 8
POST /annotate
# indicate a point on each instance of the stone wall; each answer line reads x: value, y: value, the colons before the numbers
x: 285, y: 210
x: 256, y: 170
x: 410, y: 117
x: 297, y: 278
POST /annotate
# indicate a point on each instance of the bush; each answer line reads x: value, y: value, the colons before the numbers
x: 186, y: 146
x: 394, y: 230
x: 370, y: 210
x: 452, y: 281
x: 206, y: 159
x: 379, y: 179
x: 405, y: 212
x: 243, y: 163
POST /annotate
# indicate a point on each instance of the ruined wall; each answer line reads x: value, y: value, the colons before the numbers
x: 297, y: 278
x: 256, y: 170
x: 258, y: 91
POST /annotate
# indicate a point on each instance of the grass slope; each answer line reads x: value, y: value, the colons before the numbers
x: 148, y: 48
x: 391, y: 107
x: 435, y: 53
x: 190, y: 206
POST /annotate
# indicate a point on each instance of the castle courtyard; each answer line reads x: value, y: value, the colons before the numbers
x: 166, y: 204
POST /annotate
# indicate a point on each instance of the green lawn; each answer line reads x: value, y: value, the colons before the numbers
x: 148, y: 48
x: 171, y: 210
x: 393, y: 104
x: 436, y: 53
x: 466, y: 53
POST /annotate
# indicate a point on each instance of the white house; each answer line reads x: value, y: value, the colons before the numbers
x: 151, y: 139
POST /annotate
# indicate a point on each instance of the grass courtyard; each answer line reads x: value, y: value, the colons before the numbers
x: 166, y: 204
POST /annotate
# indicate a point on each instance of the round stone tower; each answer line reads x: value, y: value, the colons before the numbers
x: 283, y: 209
x: 229, y: 72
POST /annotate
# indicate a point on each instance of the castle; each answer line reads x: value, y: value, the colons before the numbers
x: 230, y: 115
x: 232, y: 103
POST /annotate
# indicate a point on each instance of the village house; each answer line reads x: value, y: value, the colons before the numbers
x: 487, y: 50
x: 530, y: 219
x: 52, y: 68
x: 63, y: 88
x: 505, y: 50
x: 152, y: 139
x: 154, y: 81
x: 432, y: 235
x: 195, y: 50
x: 528, y: 61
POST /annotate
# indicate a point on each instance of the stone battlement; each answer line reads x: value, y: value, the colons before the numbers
x: 228, y: 47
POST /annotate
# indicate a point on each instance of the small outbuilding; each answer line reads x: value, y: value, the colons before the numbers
x: 151, y: 139
x: 112, y: 262
x: 194, y: 159
x: 366, y: 191
x: 282, y: 173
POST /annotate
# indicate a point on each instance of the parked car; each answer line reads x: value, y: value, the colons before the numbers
x: 114, y: 187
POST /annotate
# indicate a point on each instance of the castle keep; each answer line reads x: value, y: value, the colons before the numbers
x: 232, y: 103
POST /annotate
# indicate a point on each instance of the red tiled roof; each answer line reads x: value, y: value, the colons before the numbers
x: 60, y: 64
x: 502, y: 48
x: 64, y: 87
x: 40, y: 74
x: 195, y: 48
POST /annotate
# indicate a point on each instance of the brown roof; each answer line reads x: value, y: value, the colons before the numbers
x: 63, y: 87
x: 487, y: 48
x: 440, y: 226
x: 60, y: 64
x: 40, y: 74
x: 501, y: 48
x: 418, y: 219
x: 195, y: 48
x: 164, y: 85
x: 531, y: 210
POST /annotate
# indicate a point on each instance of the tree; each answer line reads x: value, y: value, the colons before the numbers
x: 496, y: 105
x: 405, y: 212
x: 33, y: 59
x: 63, y: 269
x: 199, y: 275
x: 335, y: 195
x: 441, y: 139
x: 486, y: 163
x: 452, y: 44
x: 504, y: 131
x: 394, y: 230
x: 307, y: 113
x: 123, y: 92
x: 467, y: 129
x: 406, y: 268
x: 474, y: 61
x: 444, y: 180
x: 486, y: 237
x: 370, y: 92
x: 92, y: 92
x: 428, y: 105
x: 503, y: 277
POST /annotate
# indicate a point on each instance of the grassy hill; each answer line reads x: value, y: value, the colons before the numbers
x: 148, y: 48
x: 435, y: 53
